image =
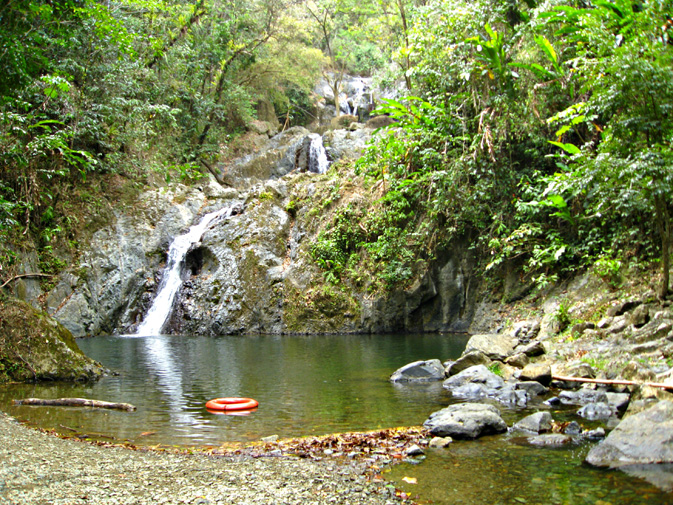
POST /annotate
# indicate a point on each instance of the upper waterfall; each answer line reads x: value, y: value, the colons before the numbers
x: 161, y: 308
x: 317, y: 156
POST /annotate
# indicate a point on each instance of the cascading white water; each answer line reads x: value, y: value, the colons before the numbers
x: 161, y: 308
x: 317, y: 156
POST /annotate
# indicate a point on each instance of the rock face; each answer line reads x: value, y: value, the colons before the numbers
x: 419, y: 371
x: 34, y: 347
x: 642, y: 438
x: 252, y: 272
x: 107, y: 292
x: 466, y: 421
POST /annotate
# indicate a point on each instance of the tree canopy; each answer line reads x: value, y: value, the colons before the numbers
x: 541, y: 130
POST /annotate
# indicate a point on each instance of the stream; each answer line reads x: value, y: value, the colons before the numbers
x: 315, y: 385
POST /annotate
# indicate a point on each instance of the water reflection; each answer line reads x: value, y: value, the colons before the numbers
x: 305, y: 385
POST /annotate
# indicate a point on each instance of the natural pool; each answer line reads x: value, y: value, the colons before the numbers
x: 313, y: 385
x: 305, y: 385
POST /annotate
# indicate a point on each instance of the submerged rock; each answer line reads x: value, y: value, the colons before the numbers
x: 550, y: 440
x: 466, y: 421
x: 642, y: 438
x: 419, y: 371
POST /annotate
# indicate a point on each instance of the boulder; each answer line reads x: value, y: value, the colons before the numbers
x: 466, y: 361
x: 494, y: 345
x: 466, y: 421
x: 539, y: 372
x: 537, y: 423
x: 419, y: 371
x: 35, y: 347
x: 642, y: 438
x: 477, y: 374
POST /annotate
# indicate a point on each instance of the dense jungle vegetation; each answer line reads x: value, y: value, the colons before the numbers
x: 540, y: 130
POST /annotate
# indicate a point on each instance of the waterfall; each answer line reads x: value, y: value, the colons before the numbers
x: 161, y: 308
x: 317, y: 156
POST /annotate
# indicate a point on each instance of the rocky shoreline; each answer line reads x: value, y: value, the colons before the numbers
x: 612, y: 371
x: 38, y: 468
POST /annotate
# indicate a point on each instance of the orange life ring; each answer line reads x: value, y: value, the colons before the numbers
x: 232, y: 404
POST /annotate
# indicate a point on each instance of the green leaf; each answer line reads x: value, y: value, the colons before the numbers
x: 569, y: 148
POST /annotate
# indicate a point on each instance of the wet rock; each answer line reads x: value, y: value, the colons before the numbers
x: 642, y: 438
x: 466, y: 361
x: 583, y: 397
x: 553, y: 401
x: 537, y: 423
x: 533, y: 388
x: 539, y: 372
x: 466, y: 421
x: 471, y: 391
x: 596, y: 411
x: 414, y: 450
x: 419, y: 371
x: 595, y: 434
x: 511, y: 396
x: 550, y: 440
x: 572, y: 428
x: 494, y: 345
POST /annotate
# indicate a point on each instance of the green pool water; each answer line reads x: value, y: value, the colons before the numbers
x: 313, y: 385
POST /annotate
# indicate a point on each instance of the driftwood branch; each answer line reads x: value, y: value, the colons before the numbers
x: 75, y: 402
x: 23, y: 275
x: 618, y: 382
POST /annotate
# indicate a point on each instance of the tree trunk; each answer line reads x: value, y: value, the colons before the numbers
x: 75, y: 402
x: 407, y: 63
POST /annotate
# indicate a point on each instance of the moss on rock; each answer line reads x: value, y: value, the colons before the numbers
x: 34, y: 347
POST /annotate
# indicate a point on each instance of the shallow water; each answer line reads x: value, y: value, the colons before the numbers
x: 498, y: 471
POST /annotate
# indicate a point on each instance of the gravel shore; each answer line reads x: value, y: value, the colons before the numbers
x: 38, y: 468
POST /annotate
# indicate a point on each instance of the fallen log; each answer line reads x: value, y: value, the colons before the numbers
x: 75, y: 402
x: 615, y: 382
